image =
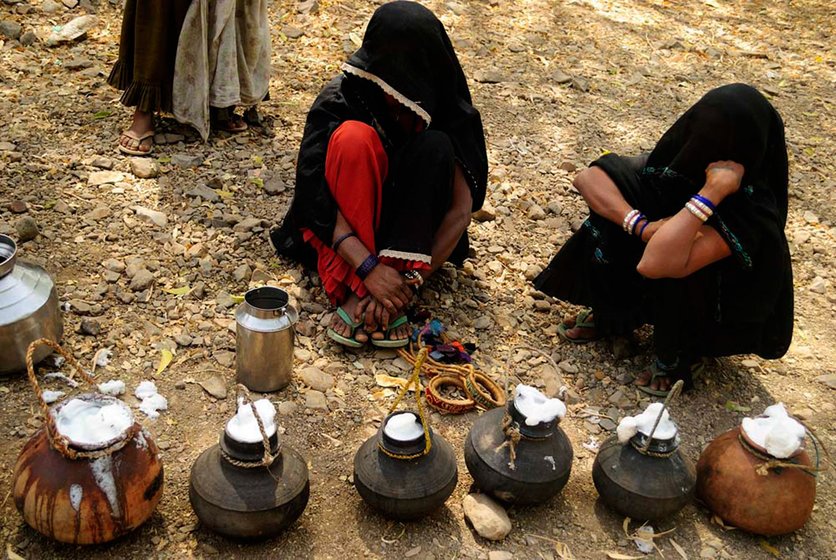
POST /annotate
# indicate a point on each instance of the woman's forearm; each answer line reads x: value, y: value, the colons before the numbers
x: 601, y: 194
x: 683, y: 244
x: 351, y: 249
x: 454, y: 223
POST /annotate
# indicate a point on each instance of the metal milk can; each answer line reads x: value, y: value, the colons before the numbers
x: 264, y: 339
x: 28, y: 309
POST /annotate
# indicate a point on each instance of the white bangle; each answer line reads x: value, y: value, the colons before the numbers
x: 696, y: 212
x: 702, y: 206
x: 629, y: 216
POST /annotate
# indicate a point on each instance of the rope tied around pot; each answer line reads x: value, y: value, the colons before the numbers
x: 512, y: 438
x: 57, y: 440
x: 413, y: 380
x: 267, y: 458
x: 674, y: 392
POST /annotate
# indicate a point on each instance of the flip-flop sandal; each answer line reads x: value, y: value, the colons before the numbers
x: 139, y: 139
x: 387, y: 342
x: 235, y: 124
x: 580, y: 323
x: 656, y: 371
x: 348, y: 341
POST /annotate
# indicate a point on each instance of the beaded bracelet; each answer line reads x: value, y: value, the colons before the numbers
x: 366, y: 267
x: 705, y: 201
x: 699, y: 214
x: 340, y: 239
x: 628, y: 217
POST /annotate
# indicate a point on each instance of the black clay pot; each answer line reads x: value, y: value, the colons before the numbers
x: 643, y: 486
x: 542, y: 465
x: 248, y: 503
x: 405, y: 488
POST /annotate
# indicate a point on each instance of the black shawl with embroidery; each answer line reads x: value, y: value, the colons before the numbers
x: 407, y: 54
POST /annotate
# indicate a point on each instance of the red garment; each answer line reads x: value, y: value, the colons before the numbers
x: 356, y: 166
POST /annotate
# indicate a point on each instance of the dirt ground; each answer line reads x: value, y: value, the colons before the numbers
x: 557, y: 84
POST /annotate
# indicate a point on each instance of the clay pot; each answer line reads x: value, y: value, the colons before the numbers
x: 85, y: 494
x: 399, y: 480
x: 647, y: 486
x: 541, y: 467
x: 88, y: 501
x: 242, y: 502
x: 779, y: 502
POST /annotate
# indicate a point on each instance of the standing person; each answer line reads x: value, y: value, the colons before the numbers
x: 690, y: 239
x: 145, y: 68
x: 223, y: 61
x: 392, y: 163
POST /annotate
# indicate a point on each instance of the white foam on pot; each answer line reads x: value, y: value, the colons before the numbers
x: 102, y: 469
x: 536, y: 407
x: 50, y: 396
x: 403, y: 427
x: 113, y: 388
x: 775, y: 431
x: 631, y: 425
x: 243, y: 426
x: 76, y: 493
x: 91, y: 422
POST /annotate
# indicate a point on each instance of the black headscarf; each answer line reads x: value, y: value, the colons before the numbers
x: 406, y: 53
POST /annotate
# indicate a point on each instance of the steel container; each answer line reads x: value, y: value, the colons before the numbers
x: 28, y: 309
x: 264, y: 339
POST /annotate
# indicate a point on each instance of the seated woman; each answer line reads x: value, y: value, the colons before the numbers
x: 689, y: 239
x: 392, y: 163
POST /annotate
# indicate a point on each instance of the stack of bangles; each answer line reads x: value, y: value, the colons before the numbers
x: 700, y: 207
x: 632, y: 220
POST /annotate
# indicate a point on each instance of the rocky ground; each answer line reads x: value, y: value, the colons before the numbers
x: 149, y: 256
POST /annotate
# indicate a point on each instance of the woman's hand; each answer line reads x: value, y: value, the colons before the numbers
x: 652, y: 228
x: 722, y: 179
x: 388, y: 288
x: 374, y: 315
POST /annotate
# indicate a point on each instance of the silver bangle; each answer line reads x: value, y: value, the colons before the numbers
x: 696, y: 212
x: 699, y: 204
x: 627, y: 217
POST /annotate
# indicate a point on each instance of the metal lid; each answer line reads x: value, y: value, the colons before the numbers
x: 8, y: 254
x: 266, y: 309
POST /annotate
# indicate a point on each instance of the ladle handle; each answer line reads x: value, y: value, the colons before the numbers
x: 672, y: 394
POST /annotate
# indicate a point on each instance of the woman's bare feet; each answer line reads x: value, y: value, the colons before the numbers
x: 137, y: 138
x: 659, y: 383
x: 340, y: 327
x: 581, y: 328
x: 377, y: 320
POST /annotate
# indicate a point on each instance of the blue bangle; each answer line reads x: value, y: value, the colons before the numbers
x: 641, y: 231
x: 366, y: 267
x: 340, y: 239
x: 637, y: 222
x: 705, y: 201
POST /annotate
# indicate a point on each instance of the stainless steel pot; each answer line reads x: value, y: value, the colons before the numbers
x: 264, y: 339
x: 28, y: 309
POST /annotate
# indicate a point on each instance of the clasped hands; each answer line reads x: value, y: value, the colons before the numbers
x: 391, y: 294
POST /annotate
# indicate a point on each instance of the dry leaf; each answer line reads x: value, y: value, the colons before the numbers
x: 563, y: 552
x: 11, y: 554
x: 619, y: 556
x: 679, y: 549
x: 384, y: 380
x: 165, y: 359
x: 769, y: 548
x: 181, y: 291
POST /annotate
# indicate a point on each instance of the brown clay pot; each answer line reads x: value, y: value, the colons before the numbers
x: 65, y: 499
x: 775, y: 504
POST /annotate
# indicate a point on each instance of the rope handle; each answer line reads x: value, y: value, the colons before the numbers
x: 414, y: 379
x: 672, y: 394
x: 60, y: 442
x: 267, y: 459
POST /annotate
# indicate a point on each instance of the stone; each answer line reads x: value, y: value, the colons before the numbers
x: 274, y: 185
x: 18, y: 207
x: 561, y: 77
x: 7, y: 147
x: 828, y: 379
x: 105, y: 177
x: 287, y: 408
x: 90, y: 327
x: 532, y: 271
x: 74, y: 30
x: 28, y: 38
x: 292, y: 32
x: 818, y: 285
x: 215, y: 386
x: 141, y: 280
x: 242, y: 272
x: 568, y: 166
x: 144, y: 168
x: 487, y: 517
x: 316, y: 400
x: 225, y: 300
x: 78, y: 63
x: 317, y: 379
x: 485, y: 214
x: 580, y: 84
x: 205, y: 193
x: 247, y: 224
x: 482, y: 323
x: 70, y: 4
x: 568, y: 367
x: 98, y: 213
x: 488, y: 76
x: 186, y: 160
x: 536, y: 212
x: 183, y: 339
x: 50, y: 6
x: 10, y: 29
x: 151, y: 216
x: 500, y: 555
x: 225, y: 358
x: 607, y: 424
x: 27, y: 229
x: 751, y: 364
